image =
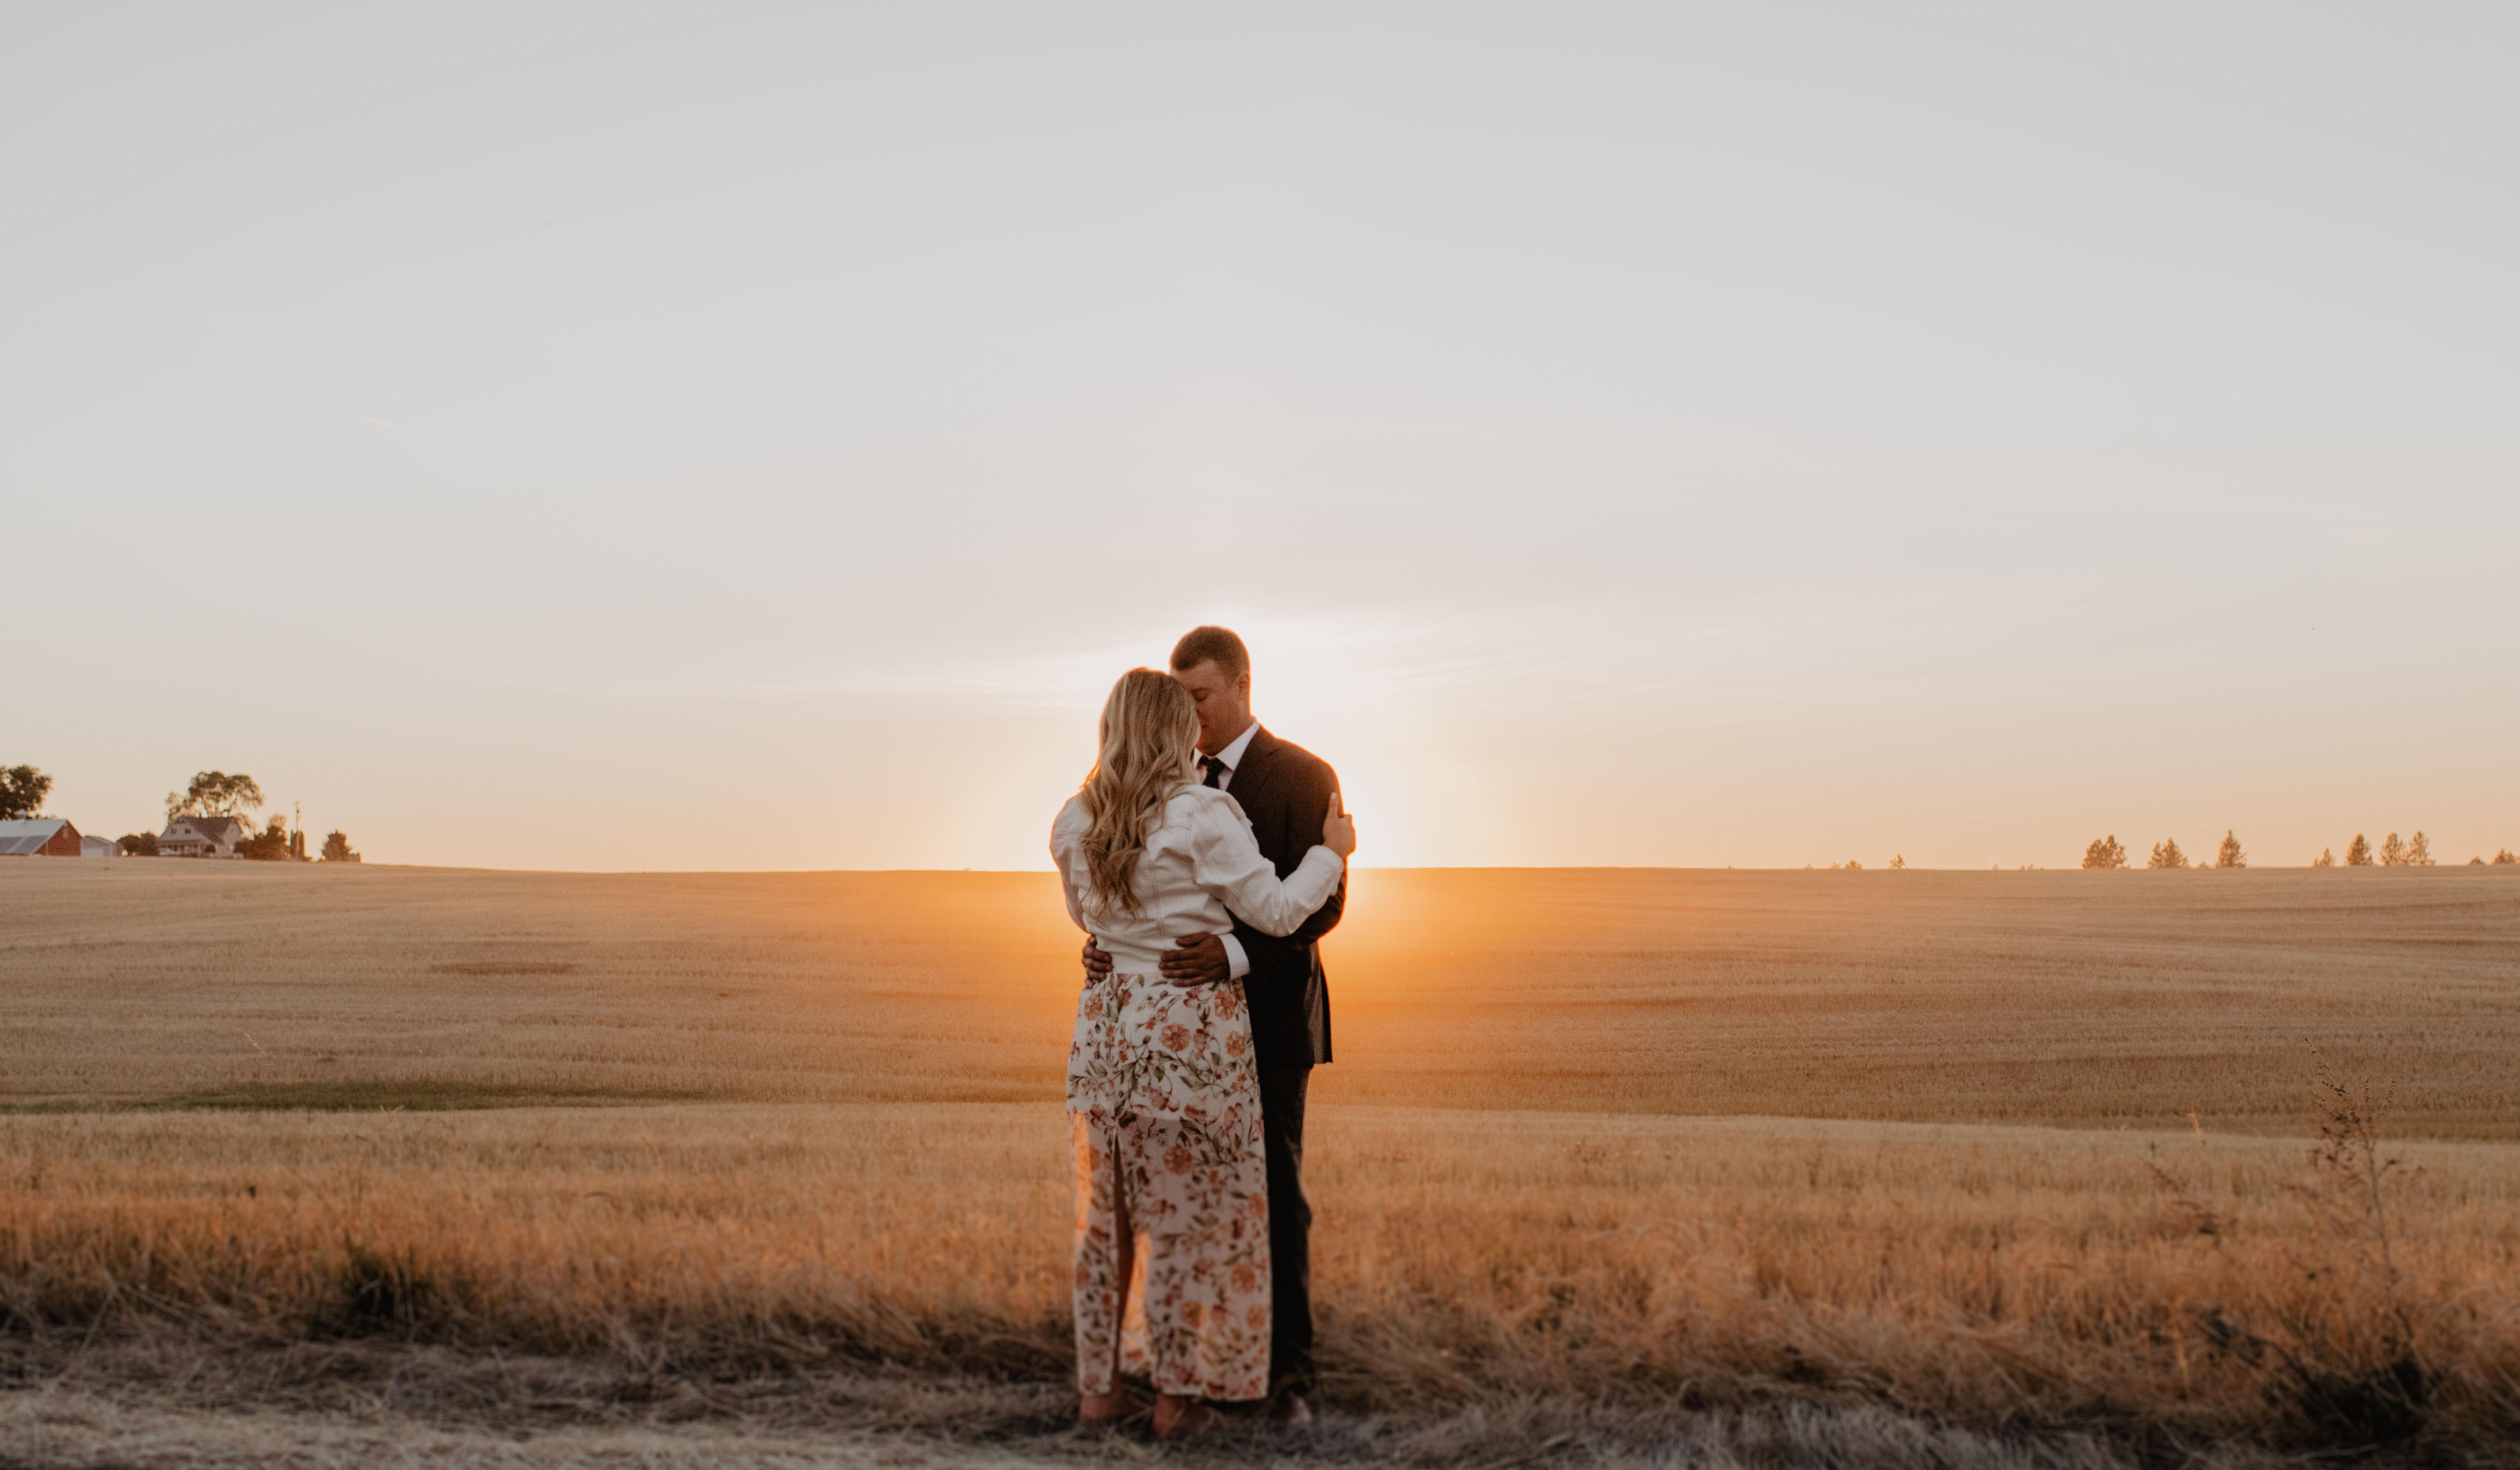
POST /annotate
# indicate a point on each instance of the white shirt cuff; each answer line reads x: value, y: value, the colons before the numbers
x: 1236, y: 964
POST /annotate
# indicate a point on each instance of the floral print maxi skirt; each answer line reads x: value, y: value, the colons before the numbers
x: 1163, y: 1105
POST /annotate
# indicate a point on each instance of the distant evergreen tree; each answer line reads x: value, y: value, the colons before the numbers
x: 2326, y: 858
x: 2419, y: 851
x: 2476, y: 862
x: 1853, y: 865
x: 2228, y: 855
x: 2104, y: 852
x: 2505, y: 857
x: 337, y: 848
x: 2393, y: 853
x: 2166, y: 854
x: 1897, y: 862
x: 2359, y: 854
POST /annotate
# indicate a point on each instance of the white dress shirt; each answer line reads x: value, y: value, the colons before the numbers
x: 1232, y: 755
x: 1200, y: 868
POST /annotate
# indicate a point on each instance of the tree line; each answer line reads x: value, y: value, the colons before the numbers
x: 2393, y: 851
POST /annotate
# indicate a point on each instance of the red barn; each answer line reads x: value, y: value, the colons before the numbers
x: 38, y: 837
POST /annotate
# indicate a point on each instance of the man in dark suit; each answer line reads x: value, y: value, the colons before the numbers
x: 1286, y: 791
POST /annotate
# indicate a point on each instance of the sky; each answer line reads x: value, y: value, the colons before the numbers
x: 732, y: 436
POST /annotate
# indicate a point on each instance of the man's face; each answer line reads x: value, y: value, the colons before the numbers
x: 1224, y: 704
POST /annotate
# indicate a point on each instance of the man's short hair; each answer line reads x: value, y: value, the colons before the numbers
x: 1201, y: 645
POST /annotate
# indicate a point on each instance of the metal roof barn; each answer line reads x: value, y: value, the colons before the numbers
x: 38, y: 837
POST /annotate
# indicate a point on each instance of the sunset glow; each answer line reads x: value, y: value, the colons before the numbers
x: 1658, y: 440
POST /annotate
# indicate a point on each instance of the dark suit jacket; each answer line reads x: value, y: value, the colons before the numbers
x: 1286, y: 792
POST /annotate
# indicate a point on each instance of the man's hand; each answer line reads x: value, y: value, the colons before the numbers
x: 1097, y: 962
x: 1198, y: 960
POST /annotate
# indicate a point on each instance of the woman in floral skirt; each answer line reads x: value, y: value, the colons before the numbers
x: 1163, y: 1101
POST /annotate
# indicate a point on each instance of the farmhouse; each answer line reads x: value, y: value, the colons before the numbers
x: 38, y: 837
x: 201, y: 837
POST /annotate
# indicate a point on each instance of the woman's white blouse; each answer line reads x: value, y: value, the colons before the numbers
x: 1199, y: 863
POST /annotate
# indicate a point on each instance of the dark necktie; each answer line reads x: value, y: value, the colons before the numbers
x: 1215, y: 770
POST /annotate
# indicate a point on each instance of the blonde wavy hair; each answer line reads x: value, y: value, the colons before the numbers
x: 1149, y: 727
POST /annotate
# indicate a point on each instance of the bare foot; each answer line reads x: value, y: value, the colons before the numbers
x: 1095, y: 1410
x: 1182, y: 1418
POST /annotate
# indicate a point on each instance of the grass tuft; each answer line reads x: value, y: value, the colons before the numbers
x: 378, y: 1292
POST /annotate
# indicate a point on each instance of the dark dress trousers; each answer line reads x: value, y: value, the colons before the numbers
x: 1286, y: 792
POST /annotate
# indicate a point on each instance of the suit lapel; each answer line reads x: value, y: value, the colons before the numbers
x: 1252, y: 776
x: 1254, y: 786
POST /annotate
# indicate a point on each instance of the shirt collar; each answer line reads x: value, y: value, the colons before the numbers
x: 1232, y: 754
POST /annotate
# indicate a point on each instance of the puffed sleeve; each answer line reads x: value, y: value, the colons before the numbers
x: 1067, y: 841
x: 1226, y: 863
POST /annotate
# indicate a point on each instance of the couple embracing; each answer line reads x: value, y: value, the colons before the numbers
x: 1204, y: 857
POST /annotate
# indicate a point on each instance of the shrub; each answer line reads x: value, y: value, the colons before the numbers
x: 268, y: 846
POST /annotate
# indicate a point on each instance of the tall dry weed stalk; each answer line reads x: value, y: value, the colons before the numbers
x: 2348, y: 1368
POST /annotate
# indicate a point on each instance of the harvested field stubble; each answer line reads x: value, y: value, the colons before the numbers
x: 291, y: 1110
x: 2063, y: 998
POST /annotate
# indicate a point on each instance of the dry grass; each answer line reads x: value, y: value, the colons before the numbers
x: 1537, y: 1278
x: 1556, y: 1262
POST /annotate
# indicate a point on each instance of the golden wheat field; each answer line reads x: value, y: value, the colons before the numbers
x: 1614, y: 1167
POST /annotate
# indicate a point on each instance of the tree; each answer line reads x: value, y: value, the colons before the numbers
x: 2166, y: 854
x: 138, y: 845
x: 337, y: 848
x: 2359, y: 854
x: 2393, y: 853
x: 2104, y: 852
x: 2326, y: 858
x: 2419, y: 851
x: 215, y: 793
x: 2228, y: 855
x: 1898, y: 861
x: 2476, y: 862
x: 22, y: 789
x: 2505, y: 857
x: 1853, y: 865
x: 271, y: 845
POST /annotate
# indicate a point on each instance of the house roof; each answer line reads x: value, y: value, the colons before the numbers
x: 213, y: 828
x: 24, y: 835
